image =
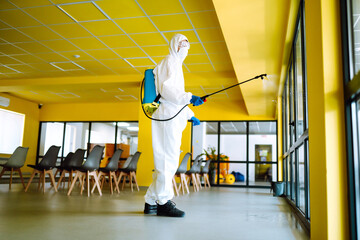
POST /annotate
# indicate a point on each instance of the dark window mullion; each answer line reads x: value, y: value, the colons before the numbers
x: 63, y: 144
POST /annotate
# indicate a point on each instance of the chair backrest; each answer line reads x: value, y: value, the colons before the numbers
x: 77, y: 159
x: 196, y: 164
x: 67, y: 159
x: 134, y: 160
x: 127, y: 162
x: 184, y: 162
x: 114, y: 161
x: 206, y: 167
x: 93, y: 160
x: 18, y: 158
x: 50, y: 157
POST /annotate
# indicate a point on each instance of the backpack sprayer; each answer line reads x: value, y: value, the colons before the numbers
x: 150, y: 102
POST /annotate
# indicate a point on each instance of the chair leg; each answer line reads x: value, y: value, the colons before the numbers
x: 101, y: 174
x: 135, y: 181
x: 206, y: 180
x: 21, y: 177
x: 39, y: 183
x: 182, y: 183
x: 131, y: 181
x: 123, y: 183
x: 44, y: 174
x: 31, y: 178
x: 62, y: 175
x: 11, y: 173
x: 82, y: 181
x: 115, y: 181
x: 198, y: 180
x: 73, y: 183
x: 57, y: 170
x: 175, y: 186
x: 97, y: 183
x: 52, y: 179
x: 111, y: 185
x: 70, y: 178
x: 185, y: 183
x: 195, y: 185
x: 88, y: 182
x: 102, y: 182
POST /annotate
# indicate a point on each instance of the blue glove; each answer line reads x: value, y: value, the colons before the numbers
x: 195, y: 121
x: 196, y: 101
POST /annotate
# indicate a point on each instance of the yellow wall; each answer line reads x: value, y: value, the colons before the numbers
x: 31, y: 128
x: 127, y: 111
x: 225, y: 110
x: 328, y: 184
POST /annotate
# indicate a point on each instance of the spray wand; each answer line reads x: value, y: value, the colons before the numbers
x: 262, y: 76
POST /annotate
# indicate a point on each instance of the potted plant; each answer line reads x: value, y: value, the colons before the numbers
x: 210, y: 154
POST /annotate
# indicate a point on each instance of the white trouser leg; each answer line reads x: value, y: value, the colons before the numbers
x: 166, y: 138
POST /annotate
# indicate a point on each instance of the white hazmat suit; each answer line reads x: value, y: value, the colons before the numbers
x: 166, y: 136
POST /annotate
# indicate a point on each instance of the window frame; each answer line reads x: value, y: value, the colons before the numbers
x: 62, y: 157
x: 291, y: 153
x: 351, y: 95
x: 247, y: 162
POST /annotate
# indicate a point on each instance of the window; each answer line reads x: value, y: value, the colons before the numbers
x: 350, y: 26
x: 247, y: 150
x: 85, y: 135
x: 295, y: 128
x: 11, y: 130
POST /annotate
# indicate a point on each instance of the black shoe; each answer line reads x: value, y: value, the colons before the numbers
x: 150, y: 209
x: 169, y: 210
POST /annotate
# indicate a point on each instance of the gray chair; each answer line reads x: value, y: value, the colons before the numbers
x: 129, y: 170
x: 63, y: 163
x: 110, y: 171
x: 193, y: 171
x: 46, y: 165
x: 205, y: 173
x: 181, y: 174
x: 14, y: 163
x: 69, y: 165
x: 89, y: 168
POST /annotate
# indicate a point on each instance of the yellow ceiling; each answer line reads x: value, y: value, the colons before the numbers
x: 85, y: 51
x: 255, y: 33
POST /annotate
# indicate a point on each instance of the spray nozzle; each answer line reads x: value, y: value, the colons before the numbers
x: 262, y: 76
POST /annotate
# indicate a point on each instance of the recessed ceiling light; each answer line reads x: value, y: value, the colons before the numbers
x: 76, y: 56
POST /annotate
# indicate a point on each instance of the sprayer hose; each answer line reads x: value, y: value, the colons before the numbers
x: 155, y: 119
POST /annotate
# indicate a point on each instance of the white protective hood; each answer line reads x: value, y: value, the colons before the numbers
x: 169, y: 81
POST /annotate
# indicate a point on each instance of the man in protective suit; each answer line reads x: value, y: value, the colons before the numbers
x: 166, y: 135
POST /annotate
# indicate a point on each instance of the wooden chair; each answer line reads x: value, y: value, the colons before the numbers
x: 110, y: 171
x: 192, y: 174
x: 89, y: 168
x: 205, y: 173
x: 129, y: 170
x: 63, y: 163
x: 14, y: 163
x: 71, y: 165
x: 181, y: 174
x: 46, y: 165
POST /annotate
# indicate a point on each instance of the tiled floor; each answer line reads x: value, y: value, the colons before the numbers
x: 219, y: 213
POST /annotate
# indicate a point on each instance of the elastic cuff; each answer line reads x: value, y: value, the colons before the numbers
x: 151, y: 202
x: 161, y: 202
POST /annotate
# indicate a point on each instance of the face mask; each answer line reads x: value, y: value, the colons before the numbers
x: 184, y: 44
x: 183, y: 53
